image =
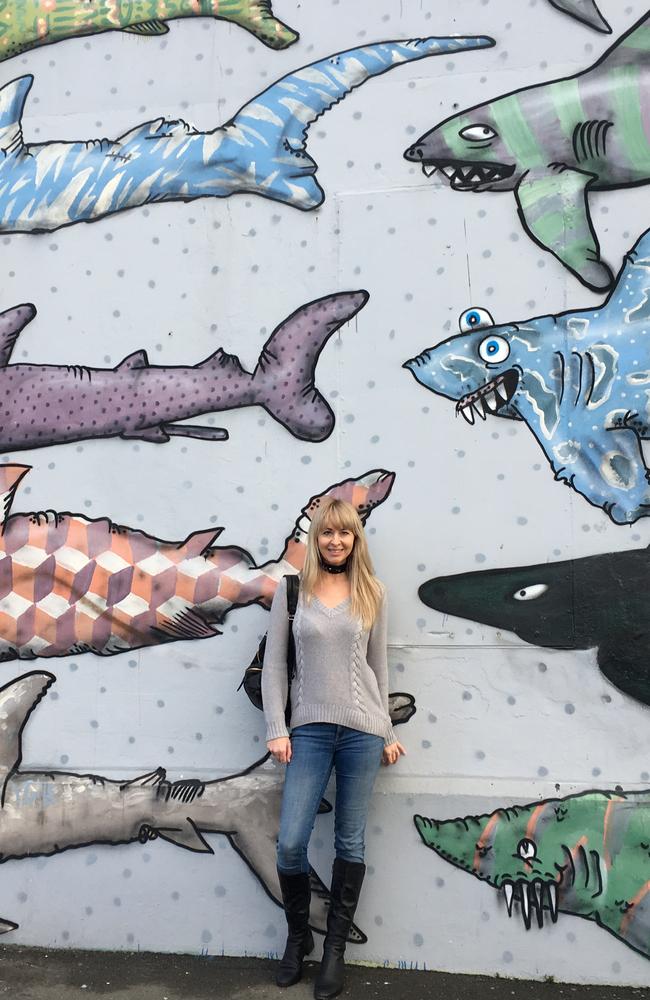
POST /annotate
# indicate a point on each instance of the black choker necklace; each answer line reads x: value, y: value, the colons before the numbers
x: 334, y: 569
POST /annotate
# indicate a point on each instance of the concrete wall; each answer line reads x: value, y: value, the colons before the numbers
x: 500, y: 721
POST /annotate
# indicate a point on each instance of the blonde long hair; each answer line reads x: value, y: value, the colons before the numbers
x: 366, y: 591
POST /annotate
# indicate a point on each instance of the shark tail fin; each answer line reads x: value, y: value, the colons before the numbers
x: 12, y: 104
x: 12, y: 322
x: 10, y: 476
x: 257, y: 17
x: 283, y: 381
x: 18, y: 699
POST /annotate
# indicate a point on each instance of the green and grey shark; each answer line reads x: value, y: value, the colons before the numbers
x: 29, y: 24
x: 587, y: 855
x: 552, y: 144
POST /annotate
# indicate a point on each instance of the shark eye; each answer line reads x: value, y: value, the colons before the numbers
x: 474, y: 319
x: 494, y: 349
x: 530, y: 593
x: 477, y: 133
x: 526, y: 849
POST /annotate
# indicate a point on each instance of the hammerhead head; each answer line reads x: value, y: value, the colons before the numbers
x: 43, y: 813
x: 261, y: 150
x: 28, y: 24
x: 69, y: 584
x: 552, y: 144
x: 53, y: 404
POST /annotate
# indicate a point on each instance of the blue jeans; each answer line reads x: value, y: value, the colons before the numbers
x: 316, y: 749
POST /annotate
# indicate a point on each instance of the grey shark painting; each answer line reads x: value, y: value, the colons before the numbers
x: 552, y: 144
x: 580, y: 381
x: 587, y: 855
x: 261, y: 150
x: 43, y: 813
x: 598, y: 602
x: 53, y: 404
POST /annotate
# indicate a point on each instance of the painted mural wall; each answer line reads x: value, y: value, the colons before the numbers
x: 321, y: 234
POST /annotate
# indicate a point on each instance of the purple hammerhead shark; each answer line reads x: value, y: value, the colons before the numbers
x: 53, y: 404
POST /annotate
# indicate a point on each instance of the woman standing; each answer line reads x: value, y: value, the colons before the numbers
x: 339, y: 721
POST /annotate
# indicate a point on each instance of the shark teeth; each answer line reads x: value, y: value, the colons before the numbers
x: 469, y: 176
x: 490, y: 398
x: 537, y: 895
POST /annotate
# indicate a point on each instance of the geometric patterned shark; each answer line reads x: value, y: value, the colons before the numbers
x: 553, y: 143
x: 598, y: 602
x: 53, y: 404
x: 261, y: 150
x: 28, y: 24
x: 585, y: 11
x: 586, y: 854
x: 71, y: 585
x: 43, y: 813
x: 580, y: 380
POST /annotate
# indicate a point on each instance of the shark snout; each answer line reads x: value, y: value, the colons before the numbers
x: 415, y: 153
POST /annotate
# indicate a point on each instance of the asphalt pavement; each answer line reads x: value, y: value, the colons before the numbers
x: 40, y: 974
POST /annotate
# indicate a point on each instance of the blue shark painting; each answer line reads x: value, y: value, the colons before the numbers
x: 579, y: 380
x: 261, y: 150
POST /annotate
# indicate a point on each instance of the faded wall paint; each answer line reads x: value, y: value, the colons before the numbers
x: 500, y: 721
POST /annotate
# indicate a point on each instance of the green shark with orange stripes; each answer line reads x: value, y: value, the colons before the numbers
x: 552, y: 144
x: 28, y: 24
x: 587, y: 855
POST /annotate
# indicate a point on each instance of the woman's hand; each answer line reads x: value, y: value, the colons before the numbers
x: 280, y: 749
x: 392, y: 753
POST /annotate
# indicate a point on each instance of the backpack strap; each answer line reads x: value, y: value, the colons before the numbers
x: 293, y: 586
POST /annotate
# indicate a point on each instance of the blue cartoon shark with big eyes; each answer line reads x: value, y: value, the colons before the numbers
x: 580, y: 381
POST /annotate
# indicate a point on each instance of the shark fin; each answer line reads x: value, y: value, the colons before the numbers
x: 145, y: 780
x: 148, y: 28
x: 138, y: 359
x: 186, y: 836
x: 152, y: 435
x: 284, y: 377
x: 623, y: 659
x: 10, y: 476
x: 585, y: 11
x: 12, y: 103
x: 632, y: 287
x: 257, y: 17
x: 199, y: 542
x: 220, y: 360
x: 12, y: 322
x: 187, y: 624
x: 543, y: 198
x: 196, y: 432
x: 18, y: 699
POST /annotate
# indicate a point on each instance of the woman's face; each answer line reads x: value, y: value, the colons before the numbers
x: 335, y: 544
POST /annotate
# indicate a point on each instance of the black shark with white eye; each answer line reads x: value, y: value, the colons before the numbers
x: 598, y: 602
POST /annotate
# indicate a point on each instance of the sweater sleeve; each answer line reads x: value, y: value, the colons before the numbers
x: 275, y: 683
x: 377, y: 657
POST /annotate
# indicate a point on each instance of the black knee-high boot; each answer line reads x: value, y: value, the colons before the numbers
x: 347, y: 878
x: 296, y: 896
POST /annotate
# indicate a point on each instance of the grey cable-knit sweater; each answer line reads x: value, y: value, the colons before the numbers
x: 341, y: 670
